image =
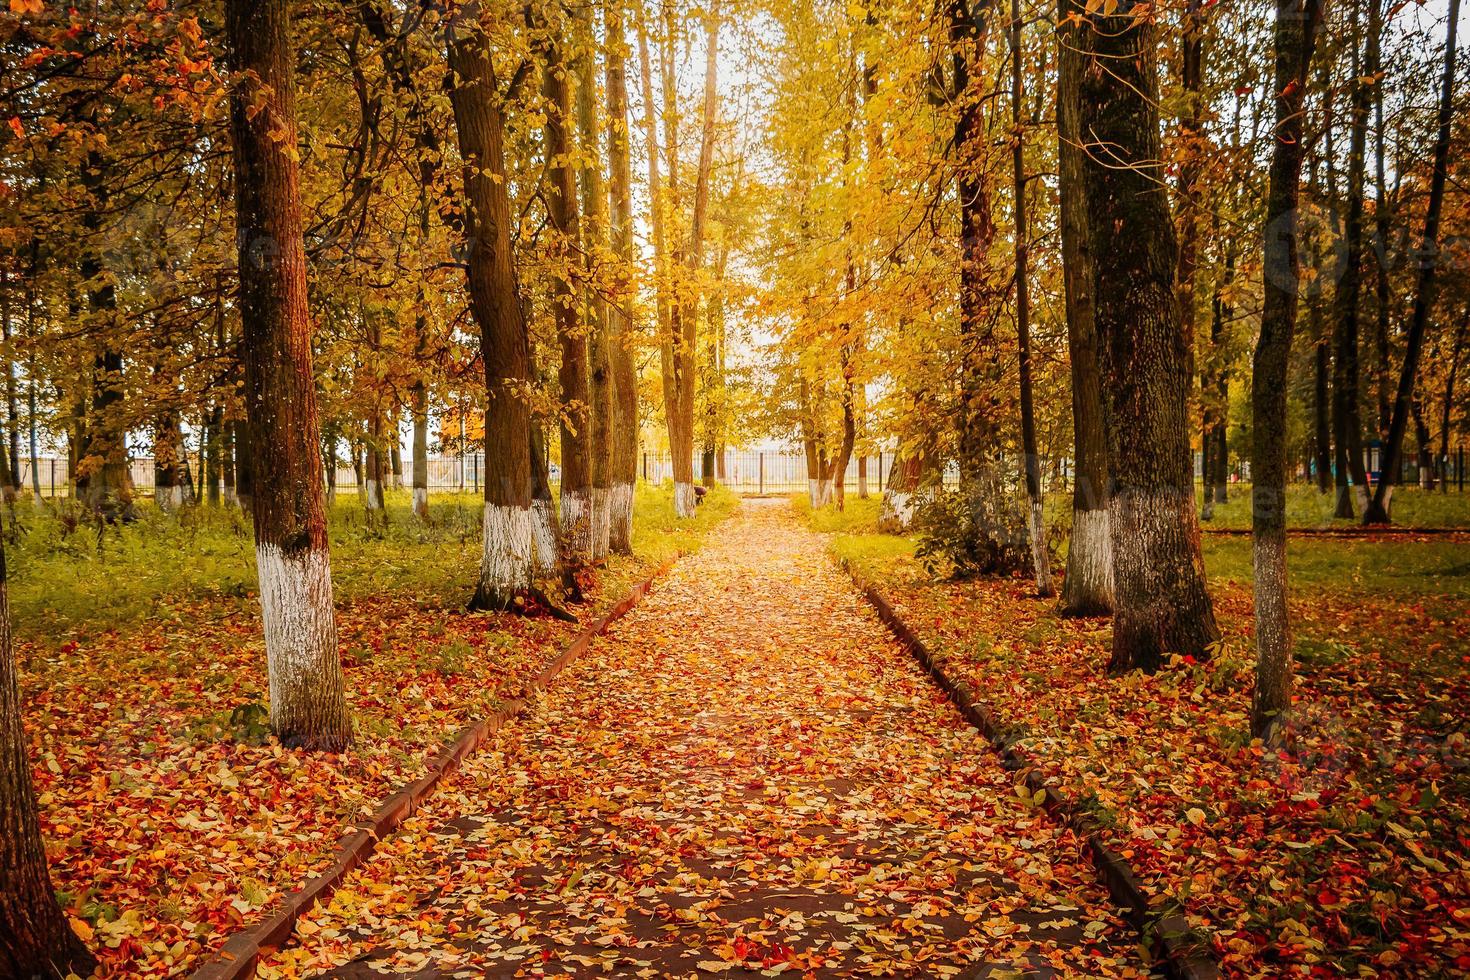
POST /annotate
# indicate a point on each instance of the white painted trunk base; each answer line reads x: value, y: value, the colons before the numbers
x: 302, y: 666
x: 684, y: 500
x: 601, y: 522
x: 506, y: 559
x: 1388, y: 500
x: 374, y: 495
x: 169, y: 498
x: 620, y: 518
x: 421, y: 501
x: 1360, y: 494
x: 576, y: 523
x: 897, y: 510
x: 543, y: 537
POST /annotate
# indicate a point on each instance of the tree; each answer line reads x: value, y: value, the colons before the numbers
x: 506, y: 561
x: 1032, y: 460
x: 1296, y: 37
x: 1161, y: 605
x: 1347, y: 426
x: 1429, y: 260
x: 1087, y: 589
x: 595, y: 250
x: 620, y: 324
x: 567, y: 307
x: 307, y: 705
x: 35, y: 938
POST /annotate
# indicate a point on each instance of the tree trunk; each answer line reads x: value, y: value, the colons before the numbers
x: 565, y: 219
x: 307, y: 705
x: 1352, y: 478
x: 1381, y: 221
x: 1158, y: 574
x: 420, y: 410
x: 1296, y: 36
x: 620, y: 325
x: 1216, y: 401
x: 1040, y: 556
x: 244, y: 475
x: 595, y: 250
x: 1087, y: 589
x: 506, y: 561
x: 901, y: 496
x: 1429, y: 261
x: 1445, y: 425
x: 377, y: 469
x: 35, y: 938
x: 101, y: 476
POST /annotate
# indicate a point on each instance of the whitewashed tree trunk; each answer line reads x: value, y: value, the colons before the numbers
x: 620, y: 518
x: 684, y: 499
x: 1088, y: 587
x: 543, y: 535
x: 509, y: 543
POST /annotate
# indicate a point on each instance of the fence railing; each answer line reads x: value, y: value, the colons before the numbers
x: 744, y: 471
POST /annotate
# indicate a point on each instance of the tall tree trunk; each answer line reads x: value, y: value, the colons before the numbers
x: 1296, y: 36
x: 1429, y: 261
x: 101, y: 475
x: 1445, y: 424
x: 565, y: 218
x: 595, y: 249
x: 307, y: 704
x: 35, y: 938
x: 1215, y: 394
x: 1040, y: 556
x: 506, y: 561
x: 1087, y: 589
x: 680, y: 342
x: 620, y: 325
x: 377, y: 470
x: 1346, y: 423
x: 1380, y: 219
x: 419, y: 407
x: 1158, y: 574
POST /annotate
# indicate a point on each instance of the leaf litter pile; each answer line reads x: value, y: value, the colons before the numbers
x: 173, y: 819
x: 1347, y: 853
x: 748, y: 776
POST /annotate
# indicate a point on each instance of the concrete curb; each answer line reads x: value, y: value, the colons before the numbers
x: 237, y: 958
x: 1185, y: 956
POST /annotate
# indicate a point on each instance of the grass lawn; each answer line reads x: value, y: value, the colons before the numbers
x: 172, y: 817
x: 1347, y: 852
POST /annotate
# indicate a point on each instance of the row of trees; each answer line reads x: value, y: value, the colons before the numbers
x: 424, y: 194
x: 1060, y: 233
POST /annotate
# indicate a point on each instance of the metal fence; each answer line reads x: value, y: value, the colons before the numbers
x: 744, y: 471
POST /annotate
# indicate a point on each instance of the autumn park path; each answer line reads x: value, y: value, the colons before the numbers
x: 746, y: 774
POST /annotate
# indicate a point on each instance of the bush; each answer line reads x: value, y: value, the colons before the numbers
x: 976, y: 531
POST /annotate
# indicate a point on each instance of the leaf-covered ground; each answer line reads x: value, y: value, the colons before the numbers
x: 172, y: 819
x: 1348, y: 854
x: 748, y: 775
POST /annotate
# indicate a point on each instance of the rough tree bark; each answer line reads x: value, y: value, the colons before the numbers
x: 507, y: 555
x: 594, y: 247
x: 1040, y: 556
x: 1457, y: 352
x: 35, y: 938
x: 1296, y: 36
x: 572, y: 373
x: 307, y: 704
x: 1161, y: 604
x: 1347, y: 426
x: 1087, y: 589
x: 1429, y: 260
x: 620, y: 325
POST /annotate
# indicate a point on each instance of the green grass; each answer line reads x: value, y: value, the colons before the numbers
x: 68, y: 577
x: 854, y: 535
x: 1400, y: 568
x: 1306, y: 508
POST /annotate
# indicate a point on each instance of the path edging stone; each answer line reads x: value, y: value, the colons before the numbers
x: 1186, y: 957
x: 237, y: 958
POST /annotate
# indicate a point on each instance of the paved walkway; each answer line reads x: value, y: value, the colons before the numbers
x: 747, y: 776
